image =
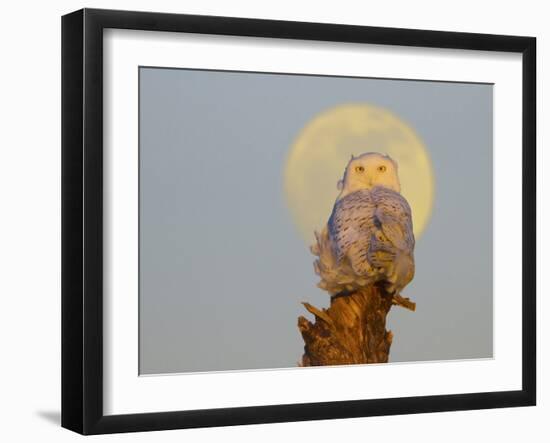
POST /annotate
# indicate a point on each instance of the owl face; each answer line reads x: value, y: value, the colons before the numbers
x: 367, y: 171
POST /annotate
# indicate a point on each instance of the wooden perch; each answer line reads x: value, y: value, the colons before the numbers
x: 404, y: 302
x: 352, y: 330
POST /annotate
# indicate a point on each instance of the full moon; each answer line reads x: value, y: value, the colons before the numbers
x: 322, y: 149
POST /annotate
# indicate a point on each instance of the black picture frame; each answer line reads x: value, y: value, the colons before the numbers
x: 82, y: 220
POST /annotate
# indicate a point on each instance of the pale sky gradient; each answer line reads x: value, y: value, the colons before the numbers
x: 223, y: 269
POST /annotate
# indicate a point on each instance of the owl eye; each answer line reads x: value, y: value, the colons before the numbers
x: 382, y: 168
x: 359, y: 169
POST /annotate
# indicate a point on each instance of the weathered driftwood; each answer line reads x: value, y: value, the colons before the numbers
x: 352, y: 330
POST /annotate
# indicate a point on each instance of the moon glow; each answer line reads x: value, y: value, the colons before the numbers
x: 319, y: 154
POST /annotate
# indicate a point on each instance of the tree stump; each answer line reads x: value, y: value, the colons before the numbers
x: 352, y: 330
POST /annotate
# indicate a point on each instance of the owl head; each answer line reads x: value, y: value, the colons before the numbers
x: 367, y: 171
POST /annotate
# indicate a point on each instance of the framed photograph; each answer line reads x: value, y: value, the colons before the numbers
x: 269, y: 221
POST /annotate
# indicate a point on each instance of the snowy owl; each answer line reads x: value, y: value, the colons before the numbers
x: 369, y: 236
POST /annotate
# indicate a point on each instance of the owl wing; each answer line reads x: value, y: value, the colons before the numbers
x: 350, y: 228
x: 392, y: 246
x: 393, y: 216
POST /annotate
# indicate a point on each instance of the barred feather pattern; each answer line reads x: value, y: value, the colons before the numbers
x: 368, y: 239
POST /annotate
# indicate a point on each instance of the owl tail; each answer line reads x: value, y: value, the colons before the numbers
x: 400, y: 273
